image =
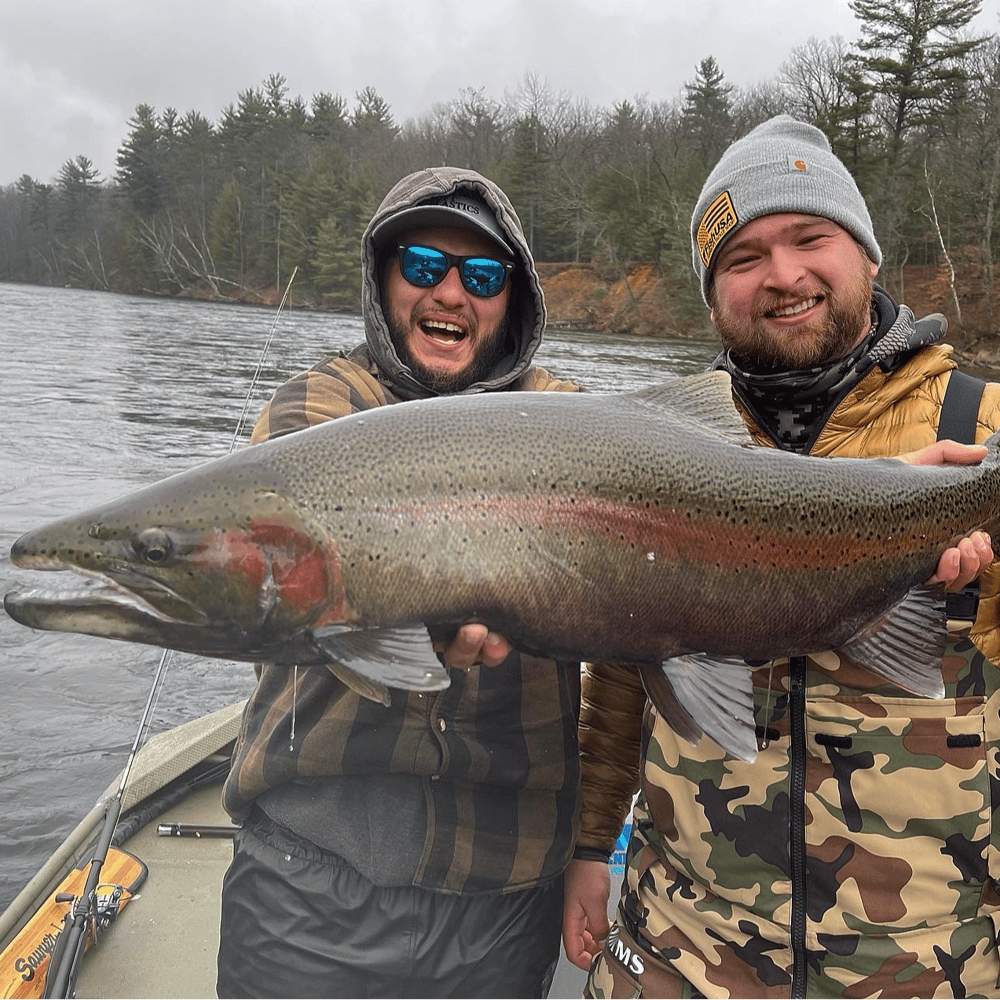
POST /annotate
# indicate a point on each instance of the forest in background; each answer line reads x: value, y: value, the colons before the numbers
x: 227, y: 209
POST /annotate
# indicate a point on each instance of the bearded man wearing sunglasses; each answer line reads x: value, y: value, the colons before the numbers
x: 415, y: 849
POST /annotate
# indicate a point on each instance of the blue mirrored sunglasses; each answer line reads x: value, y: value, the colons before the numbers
x: 425, y: 267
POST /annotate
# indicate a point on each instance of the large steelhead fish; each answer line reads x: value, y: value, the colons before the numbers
x: 640, y: 528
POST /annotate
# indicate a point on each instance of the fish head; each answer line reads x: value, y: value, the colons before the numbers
x: 192, y: 564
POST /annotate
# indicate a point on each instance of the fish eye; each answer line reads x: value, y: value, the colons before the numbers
x: 153, y: 545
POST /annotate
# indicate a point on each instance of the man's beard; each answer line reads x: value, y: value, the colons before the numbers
x: 489, y: 352
x: 847, y: 320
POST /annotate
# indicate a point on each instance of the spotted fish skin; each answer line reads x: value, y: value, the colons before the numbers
x: 639, y: 528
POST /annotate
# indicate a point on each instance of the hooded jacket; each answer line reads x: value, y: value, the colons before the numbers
x: 858, y: 855
x: 527, y: 307
x: 470, y: 789
x: 372, y: 374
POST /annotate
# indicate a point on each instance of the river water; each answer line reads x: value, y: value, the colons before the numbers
x: 106, y: 393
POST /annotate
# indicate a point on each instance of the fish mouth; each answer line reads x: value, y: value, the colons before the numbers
x: 100, y: 600
x: 108, y: 609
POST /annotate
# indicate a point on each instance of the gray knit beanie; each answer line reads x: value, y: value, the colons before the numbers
x: 783, y: 165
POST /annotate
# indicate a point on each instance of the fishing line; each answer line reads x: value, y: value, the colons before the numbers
x: 260, y: 364
x: 295, y: 698
x: 764, y: 741
x: 158, y: 677
x: 60, y: 978
x: 161, y: 670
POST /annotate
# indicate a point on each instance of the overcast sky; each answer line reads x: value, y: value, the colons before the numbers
x: 73, y: 71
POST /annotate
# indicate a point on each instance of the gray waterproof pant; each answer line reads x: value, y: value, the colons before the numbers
x: 298, y: 921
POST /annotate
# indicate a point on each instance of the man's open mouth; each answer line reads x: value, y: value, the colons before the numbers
x: 443, y: 333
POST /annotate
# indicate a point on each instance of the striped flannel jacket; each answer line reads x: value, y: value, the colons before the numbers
x: 496, y: 751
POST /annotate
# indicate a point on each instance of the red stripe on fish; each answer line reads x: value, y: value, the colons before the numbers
x: 742, y: 540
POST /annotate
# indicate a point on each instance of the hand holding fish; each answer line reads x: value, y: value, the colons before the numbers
x: 474, y: 644
x: 964, y: 563
x: 946, y: 453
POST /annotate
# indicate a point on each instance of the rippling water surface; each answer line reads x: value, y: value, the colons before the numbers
x: 103, y: 394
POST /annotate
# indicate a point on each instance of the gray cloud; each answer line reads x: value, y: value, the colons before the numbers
x: 71, y: 73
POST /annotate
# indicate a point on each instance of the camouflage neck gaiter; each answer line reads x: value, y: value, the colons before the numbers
x: 792, y: 406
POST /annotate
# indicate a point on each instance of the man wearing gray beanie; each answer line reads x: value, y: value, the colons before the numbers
x: 858, y: 855
x: 783, y: 165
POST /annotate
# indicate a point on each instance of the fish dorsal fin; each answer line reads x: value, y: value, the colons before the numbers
x: 398, y: 657
x: 706, y: 400
x: 717, y: 693
x: 906, y: 645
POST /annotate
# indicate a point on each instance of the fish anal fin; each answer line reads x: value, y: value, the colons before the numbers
x: 906, y: 645
x: 717, y: 695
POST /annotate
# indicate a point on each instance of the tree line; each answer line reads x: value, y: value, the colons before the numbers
x: 229, y: 208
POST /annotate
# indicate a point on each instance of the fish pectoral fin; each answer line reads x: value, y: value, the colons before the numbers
x: 906, y: 645
x: 399, y: 657
x: 359, y: 684
x: 716, y: 692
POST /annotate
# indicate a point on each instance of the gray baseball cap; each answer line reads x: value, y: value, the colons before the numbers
x: 462, y: 209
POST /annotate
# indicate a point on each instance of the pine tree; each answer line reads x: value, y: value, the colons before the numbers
x: 230, y: 234
x: 193, y: 170
x: 336, y: 265
x: 620, y: 191
x: 706, y: 116
x: 851, y: 127
x: 911, y: 51
x: 372, y: 114
x: 78, y: 187
x: 328, y: 122
x: 524, y: 174
x: 140, y: 164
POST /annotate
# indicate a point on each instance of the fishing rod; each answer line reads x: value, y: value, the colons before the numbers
x: 60, y: 980
x: 194, y: 830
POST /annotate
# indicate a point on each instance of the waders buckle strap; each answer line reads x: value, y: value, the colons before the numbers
x: 957, y: 422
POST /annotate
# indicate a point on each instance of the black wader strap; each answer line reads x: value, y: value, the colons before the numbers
x: 958, y: 421
x: 960, y: 409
